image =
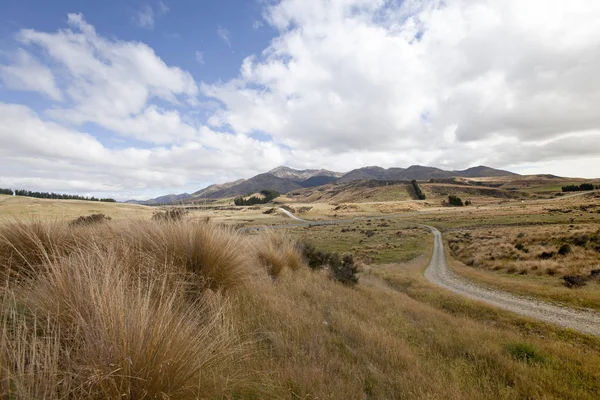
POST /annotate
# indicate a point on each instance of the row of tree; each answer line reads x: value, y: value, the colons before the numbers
x: 579, y: 188
x: 55, y: 196
x: 267, y: 196
x: 418, y: 191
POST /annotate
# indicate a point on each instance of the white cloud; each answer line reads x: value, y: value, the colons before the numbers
x: 224, y: 35
x: 39, y: 155
x: 345, y: 83
x: 200, y: 57
x: 26, y: 73
x: 358, y: 75
x: 147, y: 15
x: 111, y: 82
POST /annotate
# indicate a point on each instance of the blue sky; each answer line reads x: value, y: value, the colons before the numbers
x: 135, y: 99
x: 178, y: 30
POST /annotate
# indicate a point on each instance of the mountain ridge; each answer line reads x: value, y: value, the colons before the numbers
x: 285, y: 179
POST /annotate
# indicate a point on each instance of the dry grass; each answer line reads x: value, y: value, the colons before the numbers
x: 276, y: 251
x: 530, y: 250
x: 106, y: 311
x: 139, y: 310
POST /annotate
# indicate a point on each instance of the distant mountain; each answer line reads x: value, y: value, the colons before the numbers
x: 209, y: 190
x: 166, y: 199
x: 419, y: 173
x: 284, y: 179
x: 483, y: 171
x: 301, y: 175
x: 256, y: 184
x: 318, y: 181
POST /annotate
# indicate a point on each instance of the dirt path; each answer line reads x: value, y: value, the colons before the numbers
x: 439, y: 273
x: 292, y: 216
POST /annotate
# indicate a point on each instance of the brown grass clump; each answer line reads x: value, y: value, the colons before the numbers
x: 90, y: 219
x: 275, y: 252
x: 26, y: 246
x: 213, y: 256
x: 105, y: 312
x: 123, y: 336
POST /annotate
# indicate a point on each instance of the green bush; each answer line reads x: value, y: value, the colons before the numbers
x: 342, y: 268
x: 564, y: 249
x: 269, y: 195
x: 524, y: 352
x: 455, y: 201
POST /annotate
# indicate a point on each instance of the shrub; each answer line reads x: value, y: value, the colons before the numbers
x: 173, y: 214
x: 343, y: 269
x: 574, y: 281
x: 520, y: 246
x: 455, y: 201
x: 546, y: 255
x: 564, y: 249
x: 580, y: 240
x: 89, y: 220
x: 314, y: 258
x: 524, y: 352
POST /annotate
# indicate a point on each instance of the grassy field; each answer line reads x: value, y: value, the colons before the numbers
x: 20, y: 207
x: 133, y: 308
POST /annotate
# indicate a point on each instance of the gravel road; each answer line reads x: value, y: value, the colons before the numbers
x: 439, y: 273
x: 292, y: 216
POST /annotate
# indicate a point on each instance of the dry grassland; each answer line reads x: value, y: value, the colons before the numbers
x: 196, y: 309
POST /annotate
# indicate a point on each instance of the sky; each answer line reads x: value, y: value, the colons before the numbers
x: 135, y: 99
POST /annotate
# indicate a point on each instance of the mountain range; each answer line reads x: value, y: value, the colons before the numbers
x: 284, y: 179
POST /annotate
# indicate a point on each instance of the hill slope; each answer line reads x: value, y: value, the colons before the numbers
x: 419, y: 173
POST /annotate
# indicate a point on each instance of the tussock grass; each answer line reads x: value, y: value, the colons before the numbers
x: 276, y: 251
x: 105, y: 311
x: 25, y: 246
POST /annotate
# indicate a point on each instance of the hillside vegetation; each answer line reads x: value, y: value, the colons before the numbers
x: 144, y: 309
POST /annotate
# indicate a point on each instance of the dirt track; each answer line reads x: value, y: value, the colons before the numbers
x: 439, y: 273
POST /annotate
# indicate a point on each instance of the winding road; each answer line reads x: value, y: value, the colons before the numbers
x: 439, y: 273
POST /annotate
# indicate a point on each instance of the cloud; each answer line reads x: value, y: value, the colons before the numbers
x: 39, y: 154
x: 224, y: 35
x: 200, y: 57
x: 343, y: 84
x: 26, y: 73
x: 456, y: 81
x: 147, y: 15
x: 111, y: 83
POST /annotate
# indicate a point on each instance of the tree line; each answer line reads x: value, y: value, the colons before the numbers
x: 579, y: 188
x: 418, y: 191
x: 54, y: 196
x: 268, y: 195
